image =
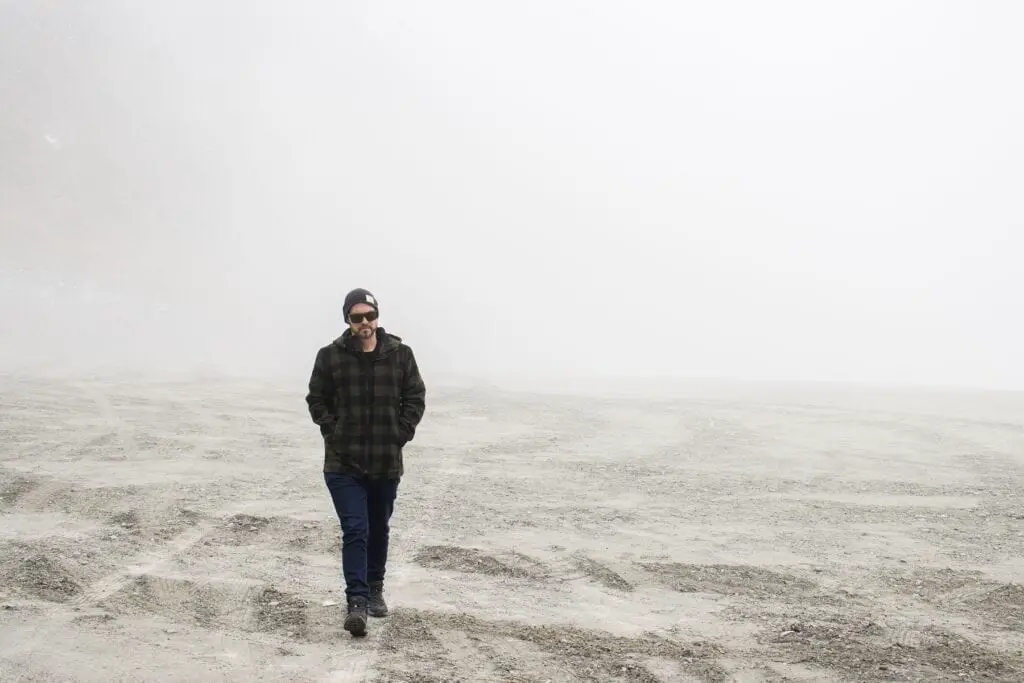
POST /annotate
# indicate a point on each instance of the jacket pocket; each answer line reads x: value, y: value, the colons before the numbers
x: 397, y: 429
x: 335, y: 438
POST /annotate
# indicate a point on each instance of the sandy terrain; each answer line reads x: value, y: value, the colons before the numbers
x: 182, y: 531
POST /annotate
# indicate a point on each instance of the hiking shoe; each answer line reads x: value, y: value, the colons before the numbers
x: 355, y: 620
x: 376, y: 605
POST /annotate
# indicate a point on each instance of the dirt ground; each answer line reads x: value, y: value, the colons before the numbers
x: 182, y: 531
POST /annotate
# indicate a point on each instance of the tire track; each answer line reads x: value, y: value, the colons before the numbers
x: 24, y: 641
x: 110, y: 414
x: 145, y: 563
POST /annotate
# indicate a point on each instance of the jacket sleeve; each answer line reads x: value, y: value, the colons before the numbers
x: 414, y: 393
x: 320, y: 398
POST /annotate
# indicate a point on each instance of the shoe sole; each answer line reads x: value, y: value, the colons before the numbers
x: 356, y: 626
x: 380, y: 614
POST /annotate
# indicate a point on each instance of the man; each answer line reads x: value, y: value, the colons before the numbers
x: 367, y: 396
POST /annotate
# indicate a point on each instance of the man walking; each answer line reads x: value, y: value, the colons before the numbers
x: 367, y: 396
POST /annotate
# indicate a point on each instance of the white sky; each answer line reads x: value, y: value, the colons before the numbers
x: 803, y: 191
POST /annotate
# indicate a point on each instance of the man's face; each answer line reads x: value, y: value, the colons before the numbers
x: 362, y: 320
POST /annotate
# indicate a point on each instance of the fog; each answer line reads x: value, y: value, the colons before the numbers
x: 799, y: 191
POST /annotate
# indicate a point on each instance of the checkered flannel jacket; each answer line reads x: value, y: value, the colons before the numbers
x: 366, y: 405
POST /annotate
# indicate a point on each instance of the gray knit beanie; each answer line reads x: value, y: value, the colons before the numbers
x: 359, y: 296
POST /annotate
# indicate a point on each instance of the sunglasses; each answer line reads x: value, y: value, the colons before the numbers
x: 360, y: 317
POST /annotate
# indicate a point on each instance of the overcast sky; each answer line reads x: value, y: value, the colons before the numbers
x: 803, y: 191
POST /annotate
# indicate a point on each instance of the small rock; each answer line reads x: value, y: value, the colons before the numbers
x: 329, y: 603
x: 274, y: 603
x: 10, y: 607
x: 252, y: 528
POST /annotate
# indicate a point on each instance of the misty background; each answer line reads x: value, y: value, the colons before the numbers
x: 790, y: 190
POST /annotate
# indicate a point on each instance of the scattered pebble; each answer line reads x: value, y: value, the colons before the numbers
x: 329, y: 603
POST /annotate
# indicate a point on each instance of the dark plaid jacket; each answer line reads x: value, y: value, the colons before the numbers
x: 367, y: 405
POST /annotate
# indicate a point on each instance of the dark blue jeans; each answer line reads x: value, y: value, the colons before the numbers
x: 364, y: 508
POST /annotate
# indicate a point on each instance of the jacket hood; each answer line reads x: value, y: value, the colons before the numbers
x: 386, y: 342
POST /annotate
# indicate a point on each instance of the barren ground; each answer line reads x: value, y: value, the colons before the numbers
x: 182, y: 531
